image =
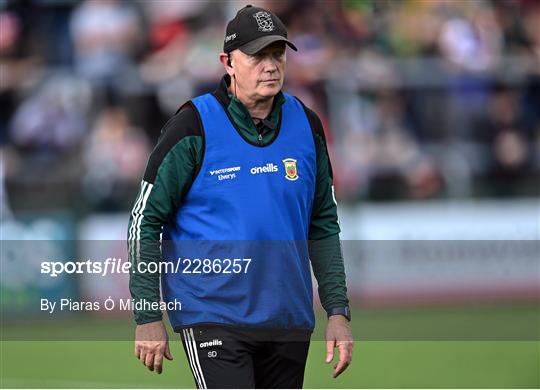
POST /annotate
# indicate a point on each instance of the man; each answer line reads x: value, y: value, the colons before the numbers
x: 241, y: 173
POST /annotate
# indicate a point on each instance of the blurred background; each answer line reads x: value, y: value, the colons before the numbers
x: 433, y: 99
x: 431, y: 110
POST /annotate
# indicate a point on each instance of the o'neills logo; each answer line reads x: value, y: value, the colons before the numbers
x: 270, y: 167
x: 212, y: 343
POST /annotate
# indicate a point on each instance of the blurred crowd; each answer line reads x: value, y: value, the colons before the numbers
x: 420, y: 99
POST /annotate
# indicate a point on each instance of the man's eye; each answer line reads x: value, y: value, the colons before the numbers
x: 260, y: 56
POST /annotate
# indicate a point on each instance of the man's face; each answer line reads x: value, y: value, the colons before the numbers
x: 261, y: 75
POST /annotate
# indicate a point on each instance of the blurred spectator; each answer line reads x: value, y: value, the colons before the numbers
x: 5, y: 211
x: 106, y: 35
x: 173, y: 65
x: 53, y: 120
x: 169, y: 36
x: 114, y: 156
x: 16, y: 64
x: 472, y: 42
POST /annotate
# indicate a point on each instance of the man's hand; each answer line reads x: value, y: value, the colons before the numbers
x: 338, y: 334
x: 151, y: 344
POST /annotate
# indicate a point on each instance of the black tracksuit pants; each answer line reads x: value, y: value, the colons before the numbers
x: 239, y: 357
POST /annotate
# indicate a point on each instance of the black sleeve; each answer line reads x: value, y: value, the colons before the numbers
x: 171, y: 169
x: 325, y: 247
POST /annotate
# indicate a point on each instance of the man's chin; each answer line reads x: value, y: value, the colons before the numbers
x: 269, y: 90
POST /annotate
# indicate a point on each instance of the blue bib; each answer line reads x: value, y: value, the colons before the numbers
x: 250, y: 205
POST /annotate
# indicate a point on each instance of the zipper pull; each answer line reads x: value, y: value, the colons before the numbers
x: 260, y: 137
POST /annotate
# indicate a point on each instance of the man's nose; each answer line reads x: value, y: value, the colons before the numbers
x: 269, y: 64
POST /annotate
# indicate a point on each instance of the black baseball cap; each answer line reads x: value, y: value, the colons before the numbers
x: 254, y: 28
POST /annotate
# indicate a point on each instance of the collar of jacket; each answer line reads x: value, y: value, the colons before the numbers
x: 241, y: 115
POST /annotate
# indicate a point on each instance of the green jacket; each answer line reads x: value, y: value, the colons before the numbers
x: 173, y: 166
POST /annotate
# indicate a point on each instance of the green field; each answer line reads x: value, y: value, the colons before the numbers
x: 376, y: 364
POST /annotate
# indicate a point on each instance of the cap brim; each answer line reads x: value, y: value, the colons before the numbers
x: 260, y: 43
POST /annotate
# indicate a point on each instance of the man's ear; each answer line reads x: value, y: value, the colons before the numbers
x: 225, y: 59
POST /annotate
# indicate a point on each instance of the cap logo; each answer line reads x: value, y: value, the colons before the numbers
x: 264, y: 21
